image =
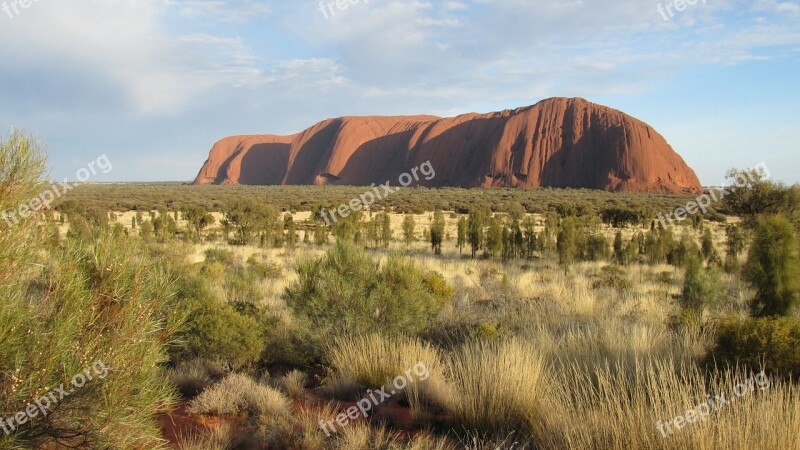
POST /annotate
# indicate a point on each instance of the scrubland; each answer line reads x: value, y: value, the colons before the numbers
x: 255, y: 326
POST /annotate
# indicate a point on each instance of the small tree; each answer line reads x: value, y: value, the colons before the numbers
x: 409, y: 227
x: 291, y: 231
x: 462, y: 233
x: 437, y: 232
x: 529, y: 237
x: 772, y: 267
x: 386, y: 230
x: 197, y: 219
x: 734, y: 245
x: 619, y: 249
x: 567, y: 243
x: 320, y: 233
x: 707, y: 247
x: 475, y: 225
x: 494, y: 237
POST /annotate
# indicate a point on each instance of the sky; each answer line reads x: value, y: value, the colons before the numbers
x: 153, y: 84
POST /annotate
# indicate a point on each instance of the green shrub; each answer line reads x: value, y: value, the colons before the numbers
x: 216, y: 331
x: 771, y: 342
x: 266, y: 270
x: 701, y: 287
x: 345, y: 292
x: 219, y: 255
x: 773, y: 268
x: 110, y: 301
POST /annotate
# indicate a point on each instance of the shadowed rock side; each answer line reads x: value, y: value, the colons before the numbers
x: 556, y: 143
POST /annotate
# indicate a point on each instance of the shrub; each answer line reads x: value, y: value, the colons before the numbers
x: 107, y: 300
x: 345, y: 292
x: 219, y: 255
x: 773, y: 343
x: 701, y: 287
x: 216, y: 331
x: 773, y: 267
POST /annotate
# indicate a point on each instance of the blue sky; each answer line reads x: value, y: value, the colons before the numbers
x: 154, y: 83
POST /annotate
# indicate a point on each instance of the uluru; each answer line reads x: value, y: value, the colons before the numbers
x: 558, y: 142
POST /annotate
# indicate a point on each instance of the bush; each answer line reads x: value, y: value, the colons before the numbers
x: 219, y: 255
x: 345, y: 292
x: 215, y: 330
x: 773, y: 343
x: 773, y: 268
x: 109, y: 300
x: 701, y: 287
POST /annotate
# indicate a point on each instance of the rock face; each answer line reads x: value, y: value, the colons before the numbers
x: 558, y: 142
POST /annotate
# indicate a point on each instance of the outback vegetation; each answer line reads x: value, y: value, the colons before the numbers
x: 237, y: 318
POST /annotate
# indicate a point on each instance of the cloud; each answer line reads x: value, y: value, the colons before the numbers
x: 223, y: 11
x: 207, y: 68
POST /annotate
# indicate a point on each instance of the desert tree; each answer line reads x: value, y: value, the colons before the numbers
x: 596, y: 247
x: 707, y: 245
x: 773, y: 268
x: 197, y: 218
x: 245, y: 216
x: 437, y: 232
x: 529, y: 237
x: 567, y: 242
x: 320, y: 233
x: 291, y: 231
x: 409, y: 228
x: 494, y: 237
x: 734, y: 246
x: 386, y: 229
x: 475, y: 224
x: 462, y: 232
x: 619, y: 248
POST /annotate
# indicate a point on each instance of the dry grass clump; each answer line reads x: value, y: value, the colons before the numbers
x: 617, y: 408
x: 220, y: 438
x: 498, y: 385
x: 374, y: 361
x: 239, y: 393
x: 293, y: 384
x: 427, y: 442
x: 191, y: 377
x: 361, y: 436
